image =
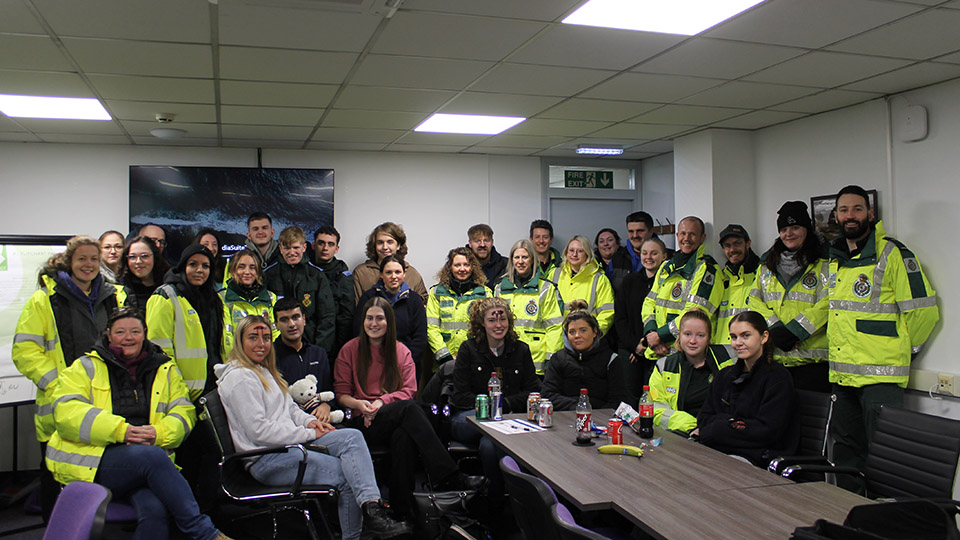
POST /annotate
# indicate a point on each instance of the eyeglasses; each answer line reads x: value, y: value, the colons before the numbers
x: 139, y: 257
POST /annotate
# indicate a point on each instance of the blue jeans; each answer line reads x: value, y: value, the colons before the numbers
x: 156, y: 489
x: 348, y: 468
x: 462, y: 430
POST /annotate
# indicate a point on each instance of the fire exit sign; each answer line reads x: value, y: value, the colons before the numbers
x: 588, y: 179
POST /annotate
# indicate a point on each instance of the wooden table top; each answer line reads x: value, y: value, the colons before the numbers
x: 680, y: 489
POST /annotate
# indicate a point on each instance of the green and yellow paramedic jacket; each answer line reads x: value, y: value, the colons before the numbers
x: 677, y: 290
x: 237, y: 308
x: 174, y: 325
x: 448, y: 319
x: 800, y: 305
x: 544, y: 272
x: 666, y: 391
x: 539, y: 321
x: 736, y: 289
x: 589, y: 284
x: 86, y: 425
x: 37, y: 354
x: 882, y: 310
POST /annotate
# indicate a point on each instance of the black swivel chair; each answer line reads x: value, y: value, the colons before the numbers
x: 911, y: 455
x: 243, y: 488
x: 531, y: 500
x: 568, y: 528
x: 814, y: 412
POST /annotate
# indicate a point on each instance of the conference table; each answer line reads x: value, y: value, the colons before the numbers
x: 677, y: 490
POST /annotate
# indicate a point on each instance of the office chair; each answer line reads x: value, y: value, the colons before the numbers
x: 912, y: 454
x: 814, y: 412
x: 532, y: 500
x: 569, y: 530
x: 79, y: 512
x: 237, y: 483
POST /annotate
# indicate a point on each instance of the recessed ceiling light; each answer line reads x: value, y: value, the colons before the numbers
x: 472, y: 124
x: 167, y: 133
x: 600, y: 149
x: 59, y: 108
x: 685, y: 17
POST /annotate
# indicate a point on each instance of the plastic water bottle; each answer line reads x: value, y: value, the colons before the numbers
x: 496, y: 397
x: 646, y: 414
x: 584, y: 412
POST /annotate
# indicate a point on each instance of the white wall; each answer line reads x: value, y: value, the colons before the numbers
x: 656, y: 191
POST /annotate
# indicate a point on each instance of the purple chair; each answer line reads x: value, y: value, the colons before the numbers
x: 532, y: 500
x: 569, y: 530
x: 79, y: 512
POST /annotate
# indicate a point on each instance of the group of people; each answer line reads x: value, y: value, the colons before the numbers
x: 121, y: 345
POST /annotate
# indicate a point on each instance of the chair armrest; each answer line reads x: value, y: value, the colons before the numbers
x: 816, y: 468
x: 778, y: 464
x: 260, y: 452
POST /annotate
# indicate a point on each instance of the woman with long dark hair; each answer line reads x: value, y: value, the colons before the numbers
x: 628, y: 313
x: 374, y: 376
x: 144, y: 268
x: 614, y: 259
x: 209, y: 239
x: 111, y: 248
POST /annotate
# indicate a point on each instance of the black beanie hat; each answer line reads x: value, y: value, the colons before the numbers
x: 794, y: 213
x: 190, y: 251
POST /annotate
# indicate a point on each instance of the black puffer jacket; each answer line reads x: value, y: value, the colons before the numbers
x: 599, y: 370
x: 474, y: 364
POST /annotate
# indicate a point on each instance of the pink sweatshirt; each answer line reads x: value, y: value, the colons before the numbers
x: 345, y: 381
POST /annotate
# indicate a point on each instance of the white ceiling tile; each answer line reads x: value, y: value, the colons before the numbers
x: 596, y: 109
x: 83, y: 139
x: 625, y: 143
x: 747, y: 95
x: 294, y: 28
x: 31, y: 52
x: 453, y: 36
x: 77, y: 127
x: 686, y: 115
x: 826, y: 69
x: 538, y: 10
x: 276, y: 94
x: 392, y: 99
x: 153, y: 88
x: 263, y: 143
x: 650, y: 87
x: 717, y: 58
x: 441, y: 139
x: 907, y: 78
x: 272, y: 116
x: 147, y: 111
x: 15, y: 17
x: 235, y: 131
x: 955, y: 4
x: 256, y: 64
x: 641, y: 131
x: 561, y: 153
x: 656, y: 147
x: 407, y: 72
x: 498, y: 104
x: 373, y: 119
x: 500, y: 150
x: 939, y: 28
x: 42, y: 83
x: 425, y: 148
x: 360, y: 146
x: 19, y: 136
x: 185, y: 21
x: 186, y: 141
x: 524, y: 141
x: 565, y: 128
x: 142, y: 129
x: 9, y: 124
x: 381, y: 136
x: 951, y: 58
x: 126, y: 57
x: 539, y: 80
x: 759, y: 119
x: 637, y: 155
x: 589, y: 47
x: 826, y: 101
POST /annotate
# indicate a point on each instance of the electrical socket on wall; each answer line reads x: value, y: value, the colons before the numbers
x: 945, y: 384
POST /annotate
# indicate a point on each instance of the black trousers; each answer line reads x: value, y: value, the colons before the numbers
x: 198, y: 457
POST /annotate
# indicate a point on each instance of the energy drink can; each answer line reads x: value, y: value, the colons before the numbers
x: 483, y: 407
x: 533, y: 400
x: 496, y: 405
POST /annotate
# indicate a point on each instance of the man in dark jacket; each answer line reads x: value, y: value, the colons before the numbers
x: 297, y: 358
x: 295, y: 277
x: 260, y: 238
x: 326, y: 244
x: 481, y: 243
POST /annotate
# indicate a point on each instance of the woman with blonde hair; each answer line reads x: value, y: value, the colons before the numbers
x: 262, y: 414
x: 580, y: 277
x: 461, y: 281
x: 245, y: 293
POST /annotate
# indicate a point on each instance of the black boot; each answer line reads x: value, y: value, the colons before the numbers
x: 378, y: 522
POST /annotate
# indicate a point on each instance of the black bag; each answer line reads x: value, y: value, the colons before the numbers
x: 446, y: 515
x: 909, y: 519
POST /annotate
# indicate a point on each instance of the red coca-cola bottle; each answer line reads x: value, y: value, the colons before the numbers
x: 646, y: 414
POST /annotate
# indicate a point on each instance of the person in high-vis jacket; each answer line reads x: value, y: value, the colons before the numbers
x: 245, y: 293
x: 882, y: 310
x: 580, y: 277
x: 121, y: 410
x: 535, y: 303
x: 688, y: 280
x: 737, y: 276
x: 548, y: 257
x: 58, y: 323
x: 680, y: 383
x: 461, y: 281
x: 791, y: 293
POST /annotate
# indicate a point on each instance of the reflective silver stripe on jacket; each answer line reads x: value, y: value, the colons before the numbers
x: 47, y: 378
x: 770, y: 296
x: 797, y: 296
x: 81, y: 460
x: 180, y: 329
x: 665, y: 417
x: 917, y: 303
x: 86, y: 425
x: 186, y: 425
x: 164, y: 408
x: 552, y: 322
x: 672, y: 325
x: 804, y: 353
x: 877, y: 371
x: 805, y: 323
x: 453, y: 325
x: 863, y: 307
x: 443, y: 351
x: 87, y: 364
x: 878, y: 272
x: 195, y: 384
x: 48, y: 408
x: 725, y: 313
x: 670, y: 304
x: 526, y: 323
x: 772, y: 320
x: 47, y: 345
x: 435, y: 321
x: 593, y: 293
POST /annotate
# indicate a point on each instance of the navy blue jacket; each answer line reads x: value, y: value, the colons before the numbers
x: 310, y: 360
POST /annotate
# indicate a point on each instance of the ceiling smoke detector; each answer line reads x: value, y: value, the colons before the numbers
x: 166, y: 132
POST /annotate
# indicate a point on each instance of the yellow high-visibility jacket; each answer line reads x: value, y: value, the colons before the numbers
x: 800, y: 305
x: 667, y: 391
x: 882, y: 310
x: 736, y: 288
x: 448, y: 319
x: 538, y: 318
x: 237, y: 308
x: 589, y: 284
x: 83, y: 410
x: 677, y: 290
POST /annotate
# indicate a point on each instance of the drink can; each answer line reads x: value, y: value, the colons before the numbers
x: 496, y: 405
x: 615, y: 431
x: 533, y: 400
x: 545, y: 413
x: 483, y: 407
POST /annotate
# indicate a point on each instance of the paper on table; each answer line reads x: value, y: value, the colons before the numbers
x: 513, y: 426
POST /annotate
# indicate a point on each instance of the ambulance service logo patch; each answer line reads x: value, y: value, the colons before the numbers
x: 677, y: 290
x: 912, y: 265
x: 862, y: 286
x: 809, y: 281
x: 306, y: 300
x: 531, y: 308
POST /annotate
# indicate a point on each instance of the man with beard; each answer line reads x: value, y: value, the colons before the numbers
x: 738, y: 276
x: 882, y: 310
x: 494, y: 265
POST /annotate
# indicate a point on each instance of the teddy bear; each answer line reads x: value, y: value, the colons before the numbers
x: 304, y: 392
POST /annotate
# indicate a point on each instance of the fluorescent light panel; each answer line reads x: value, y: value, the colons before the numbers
x: 470, y: 124
x: 59, y: 108
x: 599, y: 149
x: 685, y: 17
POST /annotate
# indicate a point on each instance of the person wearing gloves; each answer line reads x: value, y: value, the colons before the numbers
x: 580, y: 277
x: 586, y: 362
x: 680, y: 383
x: 461, y: 281
x: 261, y: 414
